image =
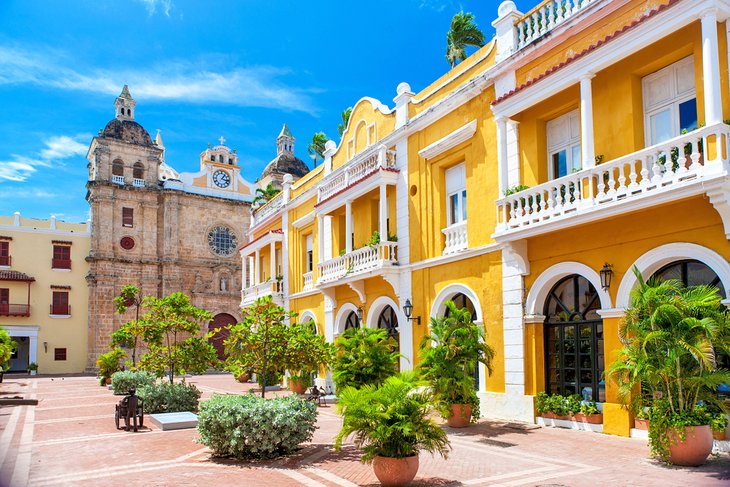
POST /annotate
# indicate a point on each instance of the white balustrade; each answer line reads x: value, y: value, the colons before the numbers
x: 138, y: 183
x: 663, y: 167
x: 308, y: 285
x: 546, y: 16
x: 268, y: 288
x: 456, y: 238
x: 118, y: 180
x: 269, y: 208
x: 361, y: 166
x: 361, y: 260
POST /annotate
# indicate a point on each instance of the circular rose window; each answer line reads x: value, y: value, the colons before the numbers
x: 222, y: 241
x: 127, y: 243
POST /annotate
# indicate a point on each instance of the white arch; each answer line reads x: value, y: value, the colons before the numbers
x: 307, y: 315
x: 656, y: 258
x: 342, y: 314
x: 439, y: 304
x: 378, y: 306
x: 544, y: 283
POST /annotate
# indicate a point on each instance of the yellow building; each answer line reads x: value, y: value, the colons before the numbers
x: 43, y: 292
x: 586, y: 133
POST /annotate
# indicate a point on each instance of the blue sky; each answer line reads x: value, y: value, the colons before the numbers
x: 198, y: 70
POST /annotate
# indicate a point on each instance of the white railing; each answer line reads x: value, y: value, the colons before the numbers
x: 268, y: 288
x: 118, y: 180
x: 361, y: 260
x: 546, y: 16
x: 308, y: 284
x: 456, y: 238
x: 269, y: 208
x: 660, y: 168
x: 361, y: 166
x: 138, y: 183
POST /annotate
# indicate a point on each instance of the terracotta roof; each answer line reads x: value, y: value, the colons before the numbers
x: 15, y: 276
x: 278, y: 230
x: 586, y: 51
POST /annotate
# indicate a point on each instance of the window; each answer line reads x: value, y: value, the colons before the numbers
x: 60, y: 303
x: 59, y: 354
x: 670, y: 102
x: 138, y: 170
x: 128, y: 217
x: 455, y: 194
x: 222, y: 241
x: 563, y: 145
x: 118, y: 168
x: 5, y: 253
x: 352, y: 321
x: 4, y: 301
x: 308, y: 262
x: 61, y: 257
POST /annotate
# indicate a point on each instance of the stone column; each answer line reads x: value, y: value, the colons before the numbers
x: 256, y: 270
x: 348, y: 227
x: 587, y: 150
x: 383, y: 213
x: 502, y: 161
x: 711, y: 68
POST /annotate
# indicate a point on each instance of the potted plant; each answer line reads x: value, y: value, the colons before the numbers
x: 306, y: 352
x: 32, y: 368
x: 391, y: 424
x: 589, y: 413
x: 450, y: 354
x: 670, y: 336
x: 718, y: 425
x: 109, y: 363
x: 364, y: 356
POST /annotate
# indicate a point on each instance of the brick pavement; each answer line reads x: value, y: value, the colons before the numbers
x: 70, y: 439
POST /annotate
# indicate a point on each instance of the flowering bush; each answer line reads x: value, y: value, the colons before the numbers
x: 125, y: 380
x: 248, y: 426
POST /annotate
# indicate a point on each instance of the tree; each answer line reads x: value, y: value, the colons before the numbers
x: 464, y: 32
x: 316, y: 146
x: 259, y: 341
x: 7, y: 346
x: 364, y: 356
x: 171, y: 330
x: 129, y: 334
x: 264, y: 195
x: 345, y: 119
x: 306, y: 351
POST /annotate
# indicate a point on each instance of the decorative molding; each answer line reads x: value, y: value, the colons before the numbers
x: 720, y: 199
x: 450, y: 141
x: 550, y: 276
x: 304, y: 221
x: 359, y: 288
x: 611, y: 313
x: 532, y: 319
x: 439, y: 303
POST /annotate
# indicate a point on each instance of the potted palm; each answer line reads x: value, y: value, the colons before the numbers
x: 305, y: 353
x: 391, y: 424
x: 32, y: 368
x: 671, y: 336
x: 109, y: 363
x: 364, y: 356
x: 450, y: 354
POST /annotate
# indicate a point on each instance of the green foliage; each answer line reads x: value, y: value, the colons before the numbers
x: 515, y: 189
x: 464, y: 32
x: 391, y: 420
x: 316, y: 146
x: 7, y: 346
x: 718, y: 422
x: 130, y: 333
x: 125, y: 380
x: 110, y: 362
x: 564, y: 405
x: 345, y: 119
x: 306, y: 352
x: 589, y: 407
x: 265, y: 194
x: 169, y: 398
x: 449, y: 358
x: 32, y: 366
x: 666, y: 425
x: 251, y: 427
x: 364, y: 356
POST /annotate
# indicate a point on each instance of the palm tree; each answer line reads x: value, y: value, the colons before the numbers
x: 316, y: 146
x: 464, y: 32
x: 264, y: 195
x: 345, y: 118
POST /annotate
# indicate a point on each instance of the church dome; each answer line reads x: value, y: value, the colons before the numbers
x: 286, y: 163
x: 127, y: 131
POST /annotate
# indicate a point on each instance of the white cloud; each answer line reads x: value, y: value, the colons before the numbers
x: 209, y: 81
x: 18, y: 168
x: 62, y: 147
x: 151, y: 6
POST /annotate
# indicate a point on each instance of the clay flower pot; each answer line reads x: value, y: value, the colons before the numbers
x: 695, y: 448
x: 298, y: 386
x: 590, y: 418
x: 394, y: 472
x: 460, y: 417
x: 244, y: 377
x: 548, y: 415
x: 641, y: 424
x: 719, y: 435
x: 108, y: 381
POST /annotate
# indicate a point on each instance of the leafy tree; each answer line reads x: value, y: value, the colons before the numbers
x: 316, y: 146
x: 364, y: 356
x: 171, y: 329
x: 306, y: 351
x: 264, y: 195
x: 7, y: 346
x: 259, y: 343
x: 464, y: 32
x: 345, y: 119
x: 130, y: 333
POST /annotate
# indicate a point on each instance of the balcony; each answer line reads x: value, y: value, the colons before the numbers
x: 308, y: 284
x: 363, y: 165
x: 61, y: 264
x: 14, y: 309
x: 360, y: 261
x: 268, y: 288
x: 61, y: 309
x: 664, y: 172
x: 545, y: 17
x: 138, y: 183
x: 5, y: 260
x: 118, y: 180
x: 268, y: 209
x: 456, y: 238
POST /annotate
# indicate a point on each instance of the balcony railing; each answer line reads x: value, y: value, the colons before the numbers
x: 456, y: 238
x: 361, y: 260
x: 308, y: 285
x: 361, y: 166
x: 138, y: 183
x: 118, y: 180
x: 546, y: 16
x: 5, y: 260
x: 14, y: 310
x: 61, y: 263
x: 268, y: 288
x: 269, y: 208
x: 664, y: 167
x: 61, y: 309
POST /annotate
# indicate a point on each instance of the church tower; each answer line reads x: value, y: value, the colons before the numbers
x: 285, y: 141
x: 285, y: 162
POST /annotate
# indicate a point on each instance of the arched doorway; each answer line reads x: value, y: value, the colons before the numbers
x: 574, y: 360
x: 462, y: 301
x: 221, y: 321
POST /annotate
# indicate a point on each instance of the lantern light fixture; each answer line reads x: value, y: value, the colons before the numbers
x: 606, y: 275
x: 408, y: 311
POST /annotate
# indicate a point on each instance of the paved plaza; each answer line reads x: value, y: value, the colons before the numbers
x: 70, y: 439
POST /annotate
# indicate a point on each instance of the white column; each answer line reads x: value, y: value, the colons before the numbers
x: 711, y: 68
x: 256, y: 270
x: 502, y: 153
x: 383, y: 213
x: 587, y: 150
x: 33, y: 348
x: 320, y: 239
x: 272, y: 260
x: 244, y: 272
x: 348, y: 227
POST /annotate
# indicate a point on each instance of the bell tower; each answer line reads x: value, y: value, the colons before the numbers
x: 285, y: 141
x: 125, y: 105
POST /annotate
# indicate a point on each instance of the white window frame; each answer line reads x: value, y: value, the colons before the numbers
x: 308, y: 255
x: 455, y: 178
x: 669, y: 76
x: 568, y: 141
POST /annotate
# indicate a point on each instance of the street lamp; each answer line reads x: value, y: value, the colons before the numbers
x: 408, y: 310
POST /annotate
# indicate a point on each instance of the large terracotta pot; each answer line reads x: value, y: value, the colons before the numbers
x: 693, y: 451
x: 298, y: 386
x: 244, y: 377
x: 394, y: 472
x: 460, y: 417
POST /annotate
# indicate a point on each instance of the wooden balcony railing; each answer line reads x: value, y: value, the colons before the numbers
x: 14, y: 310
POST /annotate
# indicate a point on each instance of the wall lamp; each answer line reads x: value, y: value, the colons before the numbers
x: 45, y: 346
x: 359, y: 314
x: 408, y: 310
x: 606, y: 275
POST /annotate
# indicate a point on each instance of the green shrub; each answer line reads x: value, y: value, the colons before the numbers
x: 170, y: 398
x: 125, y: 380
x: 273, y: 377
x: 541, y: 403
x: 364, y: 356
x: 248, y: 426
x: 110, y: 362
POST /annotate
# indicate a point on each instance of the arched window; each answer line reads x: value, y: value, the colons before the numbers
x: 117, y: 168
x: 574, y: 360
x: 352, y: 321
x: 388, y: 320
x: 691, y: 273
x: 138, y: 170
x: 462, y: 301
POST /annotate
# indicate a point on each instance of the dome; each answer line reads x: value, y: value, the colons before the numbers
x: 127, y: 131
x: 286, y: 163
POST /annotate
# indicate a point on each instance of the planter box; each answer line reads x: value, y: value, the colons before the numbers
x: 591, y: 418
x: 555, y: 416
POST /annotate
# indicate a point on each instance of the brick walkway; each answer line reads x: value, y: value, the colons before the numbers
x: 70, y: 439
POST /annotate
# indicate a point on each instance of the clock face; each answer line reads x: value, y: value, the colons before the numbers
x: 221, y: 179
x: 222, y: 241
